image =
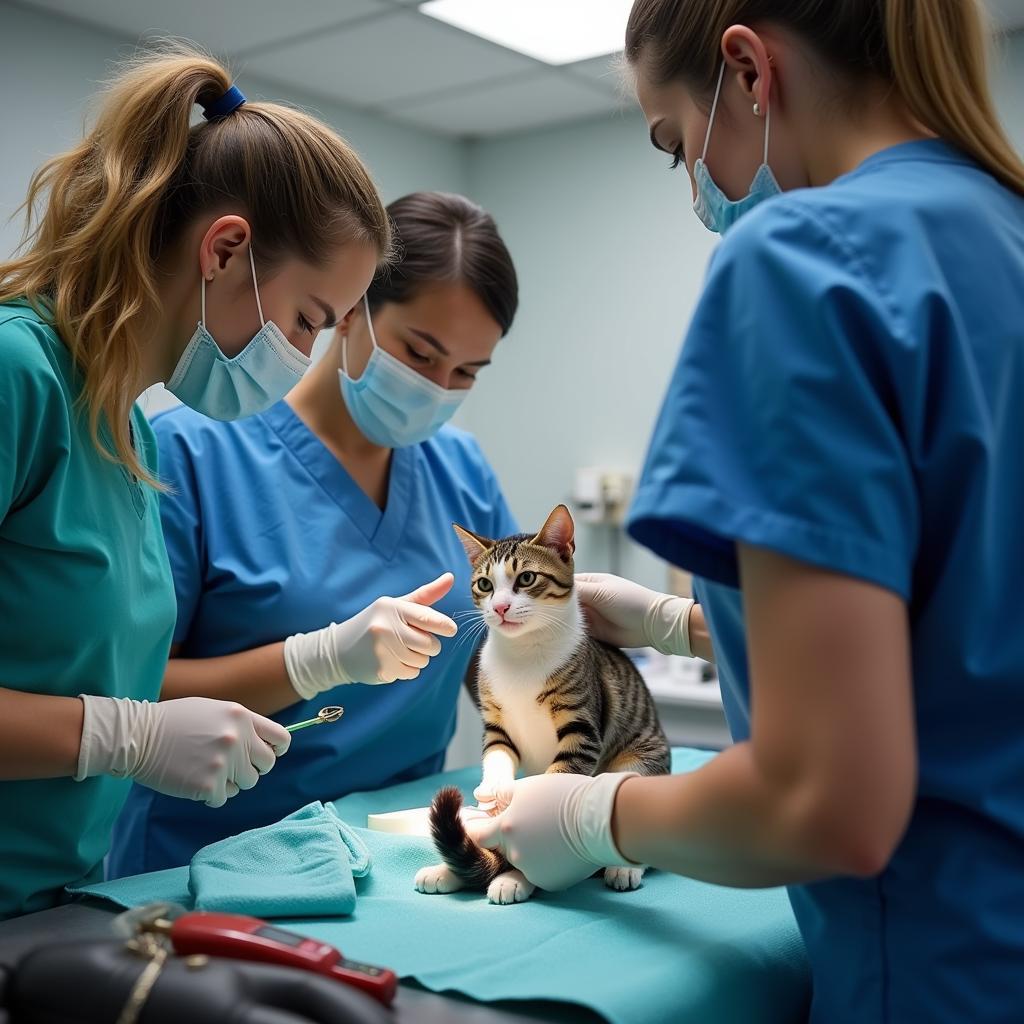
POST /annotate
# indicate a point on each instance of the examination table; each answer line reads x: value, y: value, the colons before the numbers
x: 675, y: 950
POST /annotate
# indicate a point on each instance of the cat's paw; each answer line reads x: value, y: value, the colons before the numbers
x: 494, y: 795
x: 510, y: 887
x: 624, y: 879
x: 437, y: 880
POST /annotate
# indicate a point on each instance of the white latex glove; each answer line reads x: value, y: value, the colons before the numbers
x: 557, y: 829
x: 625, y: 614
x: 394, y: 638
x: 195, y: 747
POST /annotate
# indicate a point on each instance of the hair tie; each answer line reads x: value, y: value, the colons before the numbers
x: 227, y: 104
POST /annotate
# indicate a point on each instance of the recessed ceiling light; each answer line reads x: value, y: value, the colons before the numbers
x: 554, y: 31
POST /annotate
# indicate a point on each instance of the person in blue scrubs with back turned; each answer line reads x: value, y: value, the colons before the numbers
x: 838, y: 460
x: 282, y: 524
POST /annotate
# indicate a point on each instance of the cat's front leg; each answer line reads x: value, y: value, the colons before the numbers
x: 499, y: 775
x: 500, y: 755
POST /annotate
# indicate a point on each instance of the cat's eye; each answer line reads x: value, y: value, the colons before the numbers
x: 484, y: 585
x: 526, y: 579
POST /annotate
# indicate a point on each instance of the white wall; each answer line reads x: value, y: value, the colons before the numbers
x: 1008, y: 86
x: 611, y: 260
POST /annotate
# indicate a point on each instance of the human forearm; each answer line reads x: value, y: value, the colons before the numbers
x: 40, y: 735
x: 255, y: 678
x: 700, y: 637
x: 731, y: 824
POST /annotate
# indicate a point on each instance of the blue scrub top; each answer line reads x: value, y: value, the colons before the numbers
x: 268, y: 535
x: 851, y: 395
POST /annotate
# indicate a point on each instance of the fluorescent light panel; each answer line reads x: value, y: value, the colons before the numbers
x: 553, y: 31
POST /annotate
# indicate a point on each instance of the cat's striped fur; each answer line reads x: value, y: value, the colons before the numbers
x: 552, y: 699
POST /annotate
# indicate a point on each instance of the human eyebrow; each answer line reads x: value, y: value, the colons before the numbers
x: 330, y: 317
x: 430, y: 340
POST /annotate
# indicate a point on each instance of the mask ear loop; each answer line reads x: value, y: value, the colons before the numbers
x: 767, y: 128
x: 714, y: 108
x: 369, y: 321
x: 256, y: 288
x: 344, y: 342
x: 202, y: 301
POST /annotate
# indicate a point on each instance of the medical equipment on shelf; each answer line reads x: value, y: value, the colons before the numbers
x: 601, y: 496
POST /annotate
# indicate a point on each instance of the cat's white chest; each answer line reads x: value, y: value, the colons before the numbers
x: 528, y: 722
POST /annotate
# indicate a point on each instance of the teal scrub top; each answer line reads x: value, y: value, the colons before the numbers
x: 86, y: 599
x: 851, y: 395
x: 268, y: 535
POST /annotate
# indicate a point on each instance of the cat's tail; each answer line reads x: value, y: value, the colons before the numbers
x: 476, y: 866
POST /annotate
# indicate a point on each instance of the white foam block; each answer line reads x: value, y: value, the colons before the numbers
x: 415, y: 821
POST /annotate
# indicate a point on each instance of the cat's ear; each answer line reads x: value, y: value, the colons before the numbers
x: 558, y: 534
x: 475, y: 545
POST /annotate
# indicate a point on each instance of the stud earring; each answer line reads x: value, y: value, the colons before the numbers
x: 757, y: 110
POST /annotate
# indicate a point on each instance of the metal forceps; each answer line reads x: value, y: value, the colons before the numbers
x: 331, y: 713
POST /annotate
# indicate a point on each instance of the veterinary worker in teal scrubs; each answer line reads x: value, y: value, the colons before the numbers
x: 838, y: 460
x: 206, y: 257
x: 283, y: 524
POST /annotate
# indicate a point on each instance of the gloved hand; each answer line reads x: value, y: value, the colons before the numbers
x: 626, y: 614
x: 394, y: 638
x: 195, y: 747
x: 558, y: 828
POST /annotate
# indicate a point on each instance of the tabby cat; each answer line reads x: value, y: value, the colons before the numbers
x: 552, y: 700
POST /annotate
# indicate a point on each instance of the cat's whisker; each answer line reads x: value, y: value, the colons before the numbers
x: 472, y: 632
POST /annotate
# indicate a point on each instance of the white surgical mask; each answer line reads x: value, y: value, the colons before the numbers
x: 717, y: 212
x: 228, y: 389
x: 392, y: 404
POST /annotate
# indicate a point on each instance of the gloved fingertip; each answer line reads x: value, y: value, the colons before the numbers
x: 484, y: 832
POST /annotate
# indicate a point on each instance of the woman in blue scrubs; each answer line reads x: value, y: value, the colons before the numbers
x: 839, y: 460
x: 280, y: 525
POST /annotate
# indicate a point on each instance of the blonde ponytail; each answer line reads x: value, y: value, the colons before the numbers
x: 139, y: 177
x: 938, y: 54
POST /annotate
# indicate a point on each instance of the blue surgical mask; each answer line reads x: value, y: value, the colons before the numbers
x: 716, y: 211
x: 228, y: 389
x: 392, y: 404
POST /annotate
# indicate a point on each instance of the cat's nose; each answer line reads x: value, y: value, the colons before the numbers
x: 502, y: 607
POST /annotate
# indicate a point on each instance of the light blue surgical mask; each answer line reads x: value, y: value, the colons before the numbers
x: 717, y: 212
x: 392, y: 404
x: 228, y: 389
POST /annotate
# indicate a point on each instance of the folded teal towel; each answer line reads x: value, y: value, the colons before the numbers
x: 675, y: 950
x: 301, y: 866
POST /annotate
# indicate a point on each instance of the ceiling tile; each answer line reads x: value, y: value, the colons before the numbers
x: 602, y: 71
x: 544, y: 97
x: 402, y: 55
x: 227, y: 26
